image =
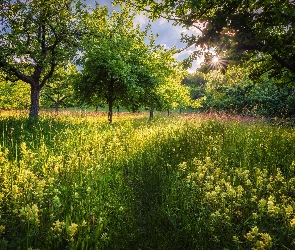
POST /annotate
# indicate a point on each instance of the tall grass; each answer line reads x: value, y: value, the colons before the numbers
x: 182, y: 182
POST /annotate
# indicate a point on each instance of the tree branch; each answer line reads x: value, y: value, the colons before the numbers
x: 275, y: 56
x: 16, y: 72
x: 50, y: 97
x: 67, y: 96
x: 283, y: 62
x: 49, y: 74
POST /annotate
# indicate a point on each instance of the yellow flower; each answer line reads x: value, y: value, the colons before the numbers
x: 2, y: 228
x: 30, y: 213
x: 84, y: 223
x: 72, y: 229
x: 57, y: 226
x: 1, y: 196
x: 56, y: 201
x: 292, y: 222
x: 289, y: 210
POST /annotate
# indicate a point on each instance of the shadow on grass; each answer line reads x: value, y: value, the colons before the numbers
x: 149, y: 219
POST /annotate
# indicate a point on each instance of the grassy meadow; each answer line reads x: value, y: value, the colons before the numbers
x: 73, y: 181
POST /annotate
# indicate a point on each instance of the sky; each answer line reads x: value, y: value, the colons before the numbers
x: 169, y: 35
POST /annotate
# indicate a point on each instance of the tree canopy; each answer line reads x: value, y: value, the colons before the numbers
x: 234, y: 28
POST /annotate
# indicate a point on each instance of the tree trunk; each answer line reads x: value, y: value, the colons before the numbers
x: 35, y: 96
x: 110, y: 113
x: 168, y: 112
x: 151, y: 114
x: 57, y: 105
x: 111, y: 99
x: 118, y: 109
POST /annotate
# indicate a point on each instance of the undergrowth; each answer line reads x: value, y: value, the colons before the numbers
x: 182, y: 182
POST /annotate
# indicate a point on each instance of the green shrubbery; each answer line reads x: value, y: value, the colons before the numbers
x: 236, y: 93
x: 74, y: 181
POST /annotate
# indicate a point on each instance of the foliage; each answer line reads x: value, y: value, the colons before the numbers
x: 36, y: 36
x: 233, y: 28
x: 14, y: 95
x: 196, y: 83
x: 235, y: 92
x: 121, y: 68
x: 114, y: 53
x: 263, y: 64
x: 76, y: 182
x: 60, y: 87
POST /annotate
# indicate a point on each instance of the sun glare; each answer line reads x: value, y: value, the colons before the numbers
x: 215, y: 59
x: 217, y: 62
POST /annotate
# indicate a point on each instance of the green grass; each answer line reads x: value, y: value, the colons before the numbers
x: 73, y: 181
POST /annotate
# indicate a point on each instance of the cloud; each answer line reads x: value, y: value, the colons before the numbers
x: 142, y: 20
x: 168, y: 33
x: 195, y: 65
x: 185, y: 54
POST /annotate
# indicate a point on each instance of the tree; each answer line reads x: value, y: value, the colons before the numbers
x: 60, y: 86
x: 121, y: 63
x: 107, y: 67
x: 37, y: 36
x: 161, y: 81
x: 173, y: 94
x: 228, y: 92
x: 196, y: 84
x: 236, y: 28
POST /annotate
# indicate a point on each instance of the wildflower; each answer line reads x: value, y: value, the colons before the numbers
x: 259, y: 240
x: 264, y: 242
x: 50, y: 180
x: 254, y: 198
x: 104, y: 236
x: 254, y: 215
x: 279, y: 176
x: 269, y: 187
x: 72, y: 229
x: 76, y: 195
x: 262, y: 204
x: 210, y: 177
x: 1, y: 196
x: 57, y: 226
x: 289, y: 210
x: 84, y: 223
x: 56, y: 202
x: 201, y: 176
x: 230, y: 190
x: 248, y: 182
x: 30, y: 213
x: 2, y: 228
x: 292, y: 222
x: 236, y: 239
x: 2, y: 158
x: 271, y: 208
x: 252, y: 234
x: 239, y: 191
x: 183, y: 166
